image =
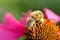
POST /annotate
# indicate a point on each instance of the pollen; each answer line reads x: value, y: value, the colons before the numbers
x: 42, y: 31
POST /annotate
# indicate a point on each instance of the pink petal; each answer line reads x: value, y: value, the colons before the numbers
x: 13, y: 25
x: 51, y: 15
x: 6, y: 34
x: 59, y: 32
x: 23, y: 20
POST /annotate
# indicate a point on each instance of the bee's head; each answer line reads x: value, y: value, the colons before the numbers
x: 37, y: 15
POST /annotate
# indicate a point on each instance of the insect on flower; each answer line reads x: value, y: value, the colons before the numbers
x: 39, y: 28
x: 11, y: 29
x: 36, y: 16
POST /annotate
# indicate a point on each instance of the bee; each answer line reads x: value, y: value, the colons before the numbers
x: 36, y: 16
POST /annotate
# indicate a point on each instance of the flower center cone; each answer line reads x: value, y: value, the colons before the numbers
x: 43, y: 31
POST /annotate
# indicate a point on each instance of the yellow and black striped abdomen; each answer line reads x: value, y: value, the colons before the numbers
x: 42, y: 31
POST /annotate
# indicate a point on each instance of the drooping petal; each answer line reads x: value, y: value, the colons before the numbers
x: 10, y: 22
x: 51, y: 15
x: 23, y: 20
x: 6, y: 34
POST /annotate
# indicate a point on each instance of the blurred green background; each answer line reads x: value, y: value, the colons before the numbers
x: 18, y: 6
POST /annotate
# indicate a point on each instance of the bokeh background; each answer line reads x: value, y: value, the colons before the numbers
x: 16, y: 7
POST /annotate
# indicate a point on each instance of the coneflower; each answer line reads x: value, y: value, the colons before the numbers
x: 47, y: 30
x: 11, y: 29
x: 43, y: 31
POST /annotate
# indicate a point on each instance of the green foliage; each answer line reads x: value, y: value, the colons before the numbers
x: 22, y: 38
x: 17, y: 6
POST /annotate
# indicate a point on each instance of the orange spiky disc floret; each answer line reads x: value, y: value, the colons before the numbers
x: 43, y: 31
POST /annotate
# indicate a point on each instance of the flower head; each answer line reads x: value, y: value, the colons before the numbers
x: 11, y: 29
x: 43, y: 31
x: 47, y: 30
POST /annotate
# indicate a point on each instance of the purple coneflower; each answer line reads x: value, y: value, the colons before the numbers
x: 10, y: 29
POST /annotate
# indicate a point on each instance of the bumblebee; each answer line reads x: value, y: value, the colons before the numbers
x: 36, y: 16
